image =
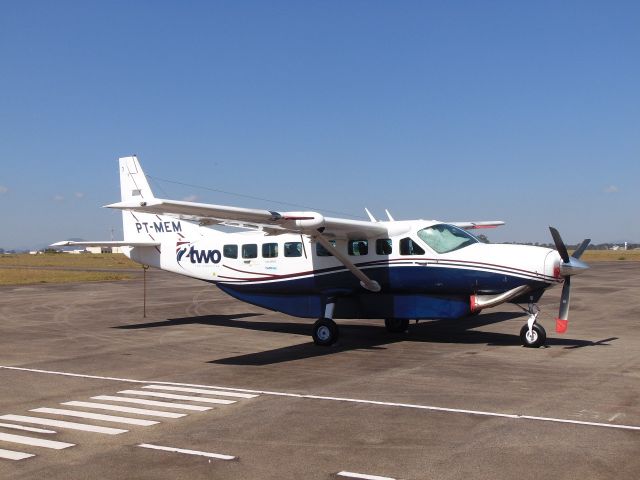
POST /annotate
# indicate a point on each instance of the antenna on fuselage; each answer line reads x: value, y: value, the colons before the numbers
x: 391, y: 219
x: 371, y: 217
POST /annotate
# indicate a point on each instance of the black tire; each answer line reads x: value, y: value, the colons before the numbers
x: 396, y: 325
x: 325, y: 332
x: 538, y: 337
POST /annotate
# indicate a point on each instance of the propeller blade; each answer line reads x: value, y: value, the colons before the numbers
x: 560, y: 246
x: 580, y: 250
x: 562, y: 322
x: 569, y: 266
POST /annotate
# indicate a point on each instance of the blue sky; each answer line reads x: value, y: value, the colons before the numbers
x: 527, y: 112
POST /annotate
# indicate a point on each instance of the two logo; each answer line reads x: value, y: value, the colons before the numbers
x: 185, y: 251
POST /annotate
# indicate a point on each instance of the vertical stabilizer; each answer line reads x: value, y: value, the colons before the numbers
x: 133, y: 182
x: 134, y: 188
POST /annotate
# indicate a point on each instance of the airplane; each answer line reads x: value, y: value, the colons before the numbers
x: 307, y: 265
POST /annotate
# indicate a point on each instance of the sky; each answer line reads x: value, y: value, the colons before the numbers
x: 526, y: 112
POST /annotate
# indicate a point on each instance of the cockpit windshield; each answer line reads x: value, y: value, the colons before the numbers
x: 446, y: 238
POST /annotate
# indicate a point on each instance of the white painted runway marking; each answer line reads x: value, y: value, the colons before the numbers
x: 62, y: 424
x: 11, y: 455
x: 411, y: 405
x: 339, y: 399
x: 363, y: 476
x: 578, y: 422
x: 96, y: 416
x: 200, y: 390
x: 177, y: 397
x: 35, y: 442
x: 119, y: 408
x: 188, y: 452
x: 27, y: 429
x: 153, y: 403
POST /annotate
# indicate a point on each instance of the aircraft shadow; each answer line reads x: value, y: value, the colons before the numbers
x: 203, y: 320
x: 368, y: 337
x: 363, y: 337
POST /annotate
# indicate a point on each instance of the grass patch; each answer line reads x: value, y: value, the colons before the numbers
x: 611, y: 256
x: 19, y: 276
x: 85, y: 260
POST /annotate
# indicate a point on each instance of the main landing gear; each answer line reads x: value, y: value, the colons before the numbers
x: 532, y: 334
x: 325, y: 331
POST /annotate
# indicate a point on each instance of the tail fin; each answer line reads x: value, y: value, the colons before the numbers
x: 139, y: 227
x: 133, y: 182
x: 134, y: 187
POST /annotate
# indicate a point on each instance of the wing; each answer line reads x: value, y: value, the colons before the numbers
x: 477, y: 225
x: 69, y: 243
x: 310, y: 223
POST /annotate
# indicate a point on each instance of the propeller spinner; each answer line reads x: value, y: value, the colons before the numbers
x: 571, y: 265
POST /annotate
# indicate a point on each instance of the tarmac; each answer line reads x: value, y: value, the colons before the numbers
x: 245, y: 394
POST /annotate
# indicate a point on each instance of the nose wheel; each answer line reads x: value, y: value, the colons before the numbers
x: 534, y: 338
x: 532, y: 334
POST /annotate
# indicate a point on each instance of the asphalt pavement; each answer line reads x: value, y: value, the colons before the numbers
x: 209, y: 387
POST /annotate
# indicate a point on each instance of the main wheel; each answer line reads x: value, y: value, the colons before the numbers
x: 325, y: 332
x: 536, y: 338
x: 396, y: 325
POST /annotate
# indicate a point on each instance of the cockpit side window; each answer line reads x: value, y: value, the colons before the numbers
x: 445, y: 238
x: 409, y: 247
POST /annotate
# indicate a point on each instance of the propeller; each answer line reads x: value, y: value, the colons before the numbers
x: 571, y: 265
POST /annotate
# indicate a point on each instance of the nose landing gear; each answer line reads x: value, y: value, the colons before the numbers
x: 532, y: 334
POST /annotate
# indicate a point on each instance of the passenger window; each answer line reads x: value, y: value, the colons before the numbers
x: 293, y: 249
x: 250, y: 250
x: 269, y: 250
x: 323, y: 252
x: 384, y: 246
x: 409, y: 247
x: 358, y: 247
x: 230, y: 251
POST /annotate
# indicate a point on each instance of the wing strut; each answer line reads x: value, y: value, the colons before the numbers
x: 365, y: 281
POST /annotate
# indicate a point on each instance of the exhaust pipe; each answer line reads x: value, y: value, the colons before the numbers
x: 480, y: 302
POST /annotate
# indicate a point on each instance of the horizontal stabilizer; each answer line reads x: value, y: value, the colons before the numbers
x: 104, y: 244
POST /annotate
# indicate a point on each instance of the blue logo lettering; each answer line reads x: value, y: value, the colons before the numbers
x: 204, y: 256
